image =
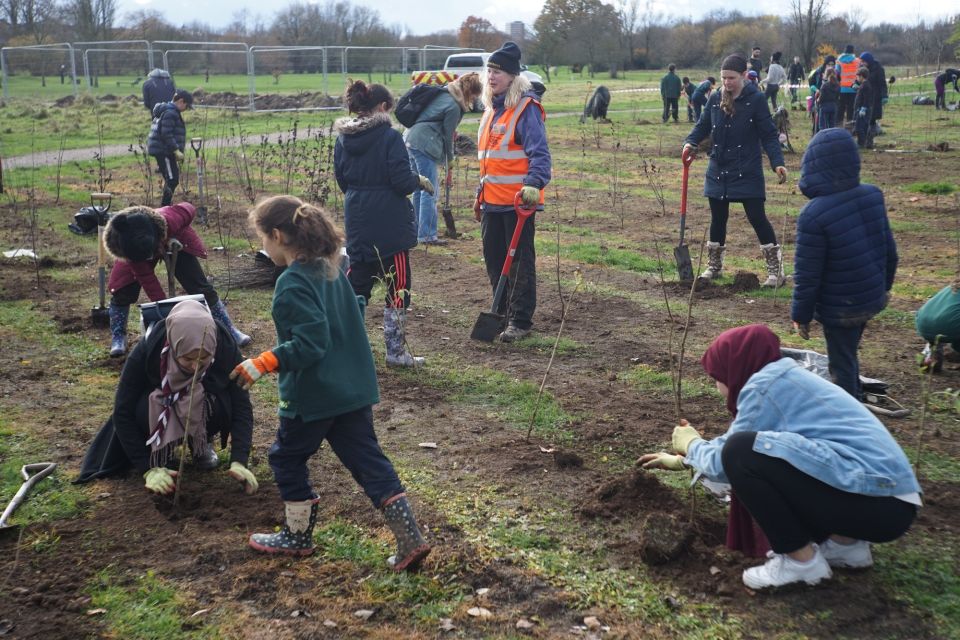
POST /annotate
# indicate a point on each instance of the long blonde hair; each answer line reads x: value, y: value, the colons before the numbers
x: 466, y: 89
x: 518, y: 86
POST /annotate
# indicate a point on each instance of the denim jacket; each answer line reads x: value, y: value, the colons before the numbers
x: 816, y: 427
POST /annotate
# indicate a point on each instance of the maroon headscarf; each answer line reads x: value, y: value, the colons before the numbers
x: 734, y: 356
x: 737, y: 354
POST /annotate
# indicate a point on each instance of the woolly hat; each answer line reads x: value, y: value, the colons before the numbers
x: 848, y: 48
x: 866, y: 56
x: 830, y: 59
x: 506, y: 59
x: 136, y: 235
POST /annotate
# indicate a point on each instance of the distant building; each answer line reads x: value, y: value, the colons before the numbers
x: 517, y: 31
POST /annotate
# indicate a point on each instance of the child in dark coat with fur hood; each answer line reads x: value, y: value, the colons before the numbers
x: 138, y: 237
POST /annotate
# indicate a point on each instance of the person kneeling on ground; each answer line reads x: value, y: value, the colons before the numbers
x: 938, y: 321
x: 138, y: 237
x: 817, y: 471
x: 154, y: 399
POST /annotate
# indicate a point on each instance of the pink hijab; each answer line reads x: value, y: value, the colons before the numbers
x: 189, y: 327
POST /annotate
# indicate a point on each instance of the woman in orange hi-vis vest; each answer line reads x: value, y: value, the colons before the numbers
x: 514, y: 157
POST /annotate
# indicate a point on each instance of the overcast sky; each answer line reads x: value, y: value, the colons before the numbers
x: 427, y: 16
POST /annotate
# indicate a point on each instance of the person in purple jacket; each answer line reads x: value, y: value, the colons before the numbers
x: 138, y: 237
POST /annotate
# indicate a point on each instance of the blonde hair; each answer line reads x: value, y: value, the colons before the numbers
x: 306, y: 228
x: 518, y: 86
x: 466, y: 89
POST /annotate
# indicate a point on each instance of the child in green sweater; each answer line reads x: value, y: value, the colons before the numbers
x: 327, y: 381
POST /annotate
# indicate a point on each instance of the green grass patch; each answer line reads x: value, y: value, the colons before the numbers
x: 932, y: 188
x: 505, y: 398
x: 924, y: 576
x: 145, y: 608
x: 33, y: 326
x: 597, y: 254
x: 544, y: 344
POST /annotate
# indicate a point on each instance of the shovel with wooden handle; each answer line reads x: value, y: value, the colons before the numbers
x: 682, y: 252
x: 489, y: 324
x: 100, y: 315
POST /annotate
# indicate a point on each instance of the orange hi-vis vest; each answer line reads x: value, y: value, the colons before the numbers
x: 503, y: 163
x: 848, y: 72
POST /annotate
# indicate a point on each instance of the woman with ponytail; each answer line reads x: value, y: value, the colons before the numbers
x: 372, y: 168
x: 739, y: 122
x: 327, y: 381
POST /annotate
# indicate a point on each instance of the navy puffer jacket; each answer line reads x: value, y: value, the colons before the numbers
x: 846, y: 257
x: 735, y: 171
x: 168, y: 133
x: 372, y: 168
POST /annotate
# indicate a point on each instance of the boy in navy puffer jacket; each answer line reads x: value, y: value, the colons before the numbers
x: 846, y: 257
x: 168, y: 139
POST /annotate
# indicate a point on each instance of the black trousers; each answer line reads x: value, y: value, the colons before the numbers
x: 670, y: 104
x: 753, y: 207
x: 845, y: 108
x: 170, y: 170
x: 393, y: 270
x: 771, y: 94
x: 188, y: 273
x: 794, y: 509
x: 521, y: 299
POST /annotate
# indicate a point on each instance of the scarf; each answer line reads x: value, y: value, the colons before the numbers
x: 189, y: 327
x: 734, y: 356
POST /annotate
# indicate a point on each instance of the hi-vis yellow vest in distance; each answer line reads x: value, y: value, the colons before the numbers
x: 503, y: 164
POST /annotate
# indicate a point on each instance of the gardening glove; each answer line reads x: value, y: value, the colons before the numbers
x: 690, y: 150
x: 245, y: 477
x: 160, y: 480
x: 477, y: 211
x: 252, y: 369
x: 178, y: 155
x: 662, y: 460
x: 529, y: 196
x: 683, y: 437
x: 802, y: 329
x: 426, y: 185
x: 781, y: 174
x: 884, y: 100
x: 862, y: 113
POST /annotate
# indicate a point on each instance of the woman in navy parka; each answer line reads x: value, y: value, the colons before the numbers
x: 739, y: 122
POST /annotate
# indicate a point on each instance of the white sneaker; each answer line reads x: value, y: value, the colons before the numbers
x: 847, y: 556
x: 782, y: 570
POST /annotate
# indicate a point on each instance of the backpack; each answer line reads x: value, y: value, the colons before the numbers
x: 413, y: 102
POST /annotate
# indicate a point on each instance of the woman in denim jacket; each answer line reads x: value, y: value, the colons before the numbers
x: 818, y: 472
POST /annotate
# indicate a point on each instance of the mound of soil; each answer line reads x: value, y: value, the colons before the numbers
x: 633, y: 493
x: 663, y: 537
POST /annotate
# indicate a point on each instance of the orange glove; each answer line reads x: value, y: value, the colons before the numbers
x: 252, y: 369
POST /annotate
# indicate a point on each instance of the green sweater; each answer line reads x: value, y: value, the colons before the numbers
x: 670, y: 85
x: 326, y: 367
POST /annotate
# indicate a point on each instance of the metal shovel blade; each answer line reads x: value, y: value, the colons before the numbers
x: 487, y: 327
x: 684, y: 267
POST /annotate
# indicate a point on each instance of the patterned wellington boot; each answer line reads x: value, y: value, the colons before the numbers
x: 714, y: 269
x: 773, y: 256
x: 118, y: 329
x: 219, y: 313
x: 411, y: 546
x: 296, y: 536
x: 394, y: 324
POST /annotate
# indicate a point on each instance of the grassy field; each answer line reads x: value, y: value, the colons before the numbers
x: 542, y: 529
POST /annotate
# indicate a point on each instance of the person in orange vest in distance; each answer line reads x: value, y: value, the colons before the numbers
x: 514, y: 157
x: 847, y: 65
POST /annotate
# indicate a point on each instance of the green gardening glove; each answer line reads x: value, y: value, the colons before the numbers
x: 662, y: 460
x: 160, y: 480
x: 245, y: 477
x: 178, y: 155
x: 530, y: 196
x: 683, y: 436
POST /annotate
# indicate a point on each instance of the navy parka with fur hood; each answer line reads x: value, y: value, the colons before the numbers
x: 735, y: 171
x: 168, y: 133
x: 372, y: 168
x: 846, y: 257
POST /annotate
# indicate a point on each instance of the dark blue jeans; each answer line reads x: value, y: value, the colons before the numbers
x: 352, y: 439
x: 842, y: 345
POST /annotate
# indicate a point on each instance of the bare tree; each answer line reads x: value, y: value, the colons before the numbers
x: 629, y: 13
x: 807, y: 16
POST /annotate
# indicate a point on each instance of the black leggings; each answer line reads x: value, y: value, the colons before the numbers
x: 720, y: 212
x: 794, y: 509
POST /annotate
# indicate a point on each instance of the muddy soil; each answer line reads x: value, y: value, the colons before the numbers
x: 200, y: 544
